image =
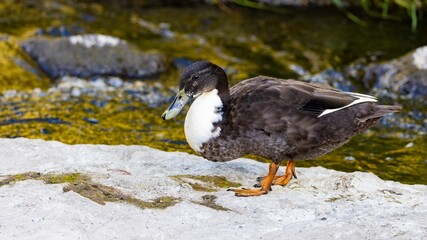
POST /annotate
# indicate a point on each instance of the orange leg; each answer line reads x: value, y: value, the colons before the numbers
x: 289, y: 173
x: 265, y: 186
x: 284, y: 179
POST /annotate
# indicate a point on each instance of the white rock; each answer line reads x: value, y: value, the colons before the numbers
x: 320, y: 204
x: 97, y: 40
x: 420, y: 58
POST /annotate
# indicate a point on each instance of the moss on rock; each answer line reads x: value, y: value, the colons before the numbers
x: 99, y: 193
x: 206, y: 183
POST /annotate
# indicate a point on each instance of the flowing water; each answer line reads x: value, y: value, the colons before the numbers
x: 245, y: 42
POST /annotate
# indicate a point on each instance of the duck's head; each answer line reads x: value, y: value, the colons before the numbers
x: 196, y: 79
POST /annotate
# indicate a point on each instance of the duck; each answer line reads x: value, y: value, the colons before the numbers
x: 273, y: 118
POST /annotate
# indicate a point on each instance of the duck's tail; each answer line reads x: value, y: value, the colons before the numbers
x: 381, y: 110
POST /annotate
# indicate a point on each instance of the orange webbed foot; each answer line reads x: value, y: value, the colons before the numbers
x: 265, y: 186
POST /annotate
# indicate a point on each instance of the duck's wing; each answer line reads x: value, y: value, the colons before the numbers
x: 274, y: 105
x: 326, y: 100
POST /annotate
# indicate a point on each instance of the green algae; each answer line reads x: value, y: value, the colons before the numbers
x: 64, y: 178
x: 46, y: 178
x: 206, y: 183
x: 16, y: 70
x: 19, y: 177
x: 99, y: 193
x: 386, y: 157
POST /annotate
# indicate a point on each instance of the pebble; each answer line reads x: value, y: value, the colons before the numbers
x: 409, y: 145
x: 9, y: 93
x: 91, y: 120
x: 45, y: 131
x: 349, y: 158
x: 76, y: 92
x: 115, y: 82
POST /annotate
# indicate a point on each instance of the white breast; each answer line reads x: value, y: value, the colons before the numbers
x: 200, y: 118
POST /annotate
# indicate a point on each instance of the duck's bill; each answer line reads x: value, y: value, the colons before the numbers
x: 176, y: 106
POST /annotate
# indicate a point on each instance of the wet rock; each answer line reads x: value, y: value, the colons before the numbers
x: 62, y: 31
x: 401, y: 81
x: 92, y: 55
x: 91, y: 120
x: 409, y: 145
x: 332, y: 78
x: 404, y: 77
x: 349, y: 158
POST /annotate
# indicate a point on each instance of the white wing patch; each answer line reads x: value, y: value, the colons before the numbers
x: 201, y: 116
x: 360, y: 99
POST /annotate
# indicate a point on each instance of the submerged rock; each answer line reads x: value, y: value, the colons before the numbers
x: 63, y: 31
x: 404, y: 77
x: 92, y: 55
x: 401, y: 81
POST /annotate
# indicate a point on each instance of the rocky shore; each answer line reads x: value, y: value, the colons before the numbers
x: 53, y: 190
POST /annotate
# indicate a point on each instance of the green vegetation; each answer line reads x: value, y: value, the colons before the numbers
x: 46, y: 178
x: 382, y: 9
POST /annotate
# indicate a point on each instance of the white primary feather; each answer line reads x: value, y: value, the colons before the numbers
x: 360, y: 99
x: 200, y: 118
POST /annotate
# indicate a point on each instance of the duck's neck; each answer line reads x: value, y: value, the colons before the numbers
x: 222, y: 86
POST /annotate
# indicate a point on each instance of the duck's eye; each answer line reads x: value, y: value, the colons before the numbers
x: 195, y: 77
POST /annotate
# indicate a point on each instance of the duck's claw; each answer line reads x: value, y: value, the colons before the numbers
x: 248, y: 192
